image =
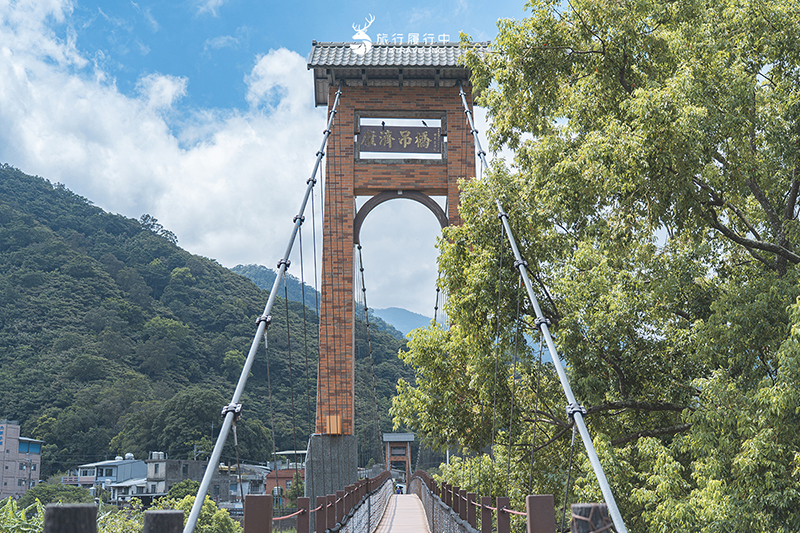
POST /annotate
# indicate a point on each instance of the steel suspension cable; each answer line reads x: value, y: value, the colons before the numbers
x: 535, y: 408
x: 513, y: 391
x: 234, y: 409
x: 574, y: 410
x: 566, y: 485
x: 305, y: 328
x: 271, y: 409
x: 371, y: 359
x: 497, y: 351
x: 291, y: 374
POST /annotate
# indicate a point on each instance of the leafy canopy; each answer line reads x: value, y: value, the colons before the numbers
x: 653, y: 193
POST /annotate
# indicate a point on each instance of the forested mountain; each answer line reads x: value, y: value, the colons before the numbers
x: 113, y: 339
x: 296, y: 290
x: 264, y: 278
x: 403, y: 319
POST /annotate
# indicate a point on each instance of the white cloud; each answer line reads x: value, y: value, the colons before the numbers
x: 209, y: 6
x: 223, y: 41
x: 274, y: 79
x: 160, y: 91
x: 148, y: 16
x: 226, y: 182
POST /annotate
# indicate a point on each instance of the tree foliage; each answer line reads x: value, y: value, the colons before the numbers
x: 46, y: 493
x: 654, y: 197
x: 115, y: 340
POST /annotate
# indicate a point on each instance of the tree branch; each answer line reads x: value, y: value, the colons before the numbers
x: 571, y: 49
x: 791, y: 202
x: 772, y: 216
x: 550, y: 419
x: 552, y: 439
x: 622, y: 67
x: 672, y: 430
x: 719, y: 200
x: 751, y: 244
x: 634, y: 404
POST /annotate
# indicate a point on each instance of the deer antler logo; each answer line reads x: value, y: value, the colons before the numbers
x: 361, y: 33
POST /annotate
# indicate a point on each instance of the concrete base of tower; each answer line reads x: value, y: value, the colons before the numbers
x: 331, y: 465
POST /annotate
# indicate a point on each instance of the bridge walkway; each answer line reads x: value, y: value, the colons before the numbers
x: 404, y: 514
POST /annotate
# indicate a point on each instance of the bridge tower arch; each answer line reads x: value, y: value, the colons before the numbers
x: 400, y: 132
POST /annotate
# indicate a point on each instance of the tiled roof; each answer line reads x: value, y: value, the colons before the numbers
x: 439, y: 55
x: 386, y: 63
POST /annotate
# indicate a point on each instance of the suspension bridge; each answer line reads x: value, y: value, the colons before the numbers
x: 400, y: 126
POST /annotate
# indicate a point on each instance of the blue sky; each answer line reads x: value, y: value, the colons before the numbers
x: 215, y: 43
x: 200, y: 113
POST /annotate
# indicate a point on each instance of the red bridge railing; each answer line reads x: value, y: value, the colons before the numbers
x: 450, y: 508
x: 356, y: 509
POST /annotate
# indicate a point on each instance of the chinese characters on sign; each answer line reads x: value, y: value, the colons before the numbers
x: 400, y: 139
x: 413, y: 38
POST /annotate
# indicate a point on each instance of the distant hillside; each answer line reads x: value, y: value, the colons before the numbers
x: 264, y: 278
x: 113, y: 339
x: 403, y: 319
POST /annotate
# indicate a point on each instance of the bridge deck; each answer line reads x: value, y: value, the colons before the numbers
x: 404, y: 514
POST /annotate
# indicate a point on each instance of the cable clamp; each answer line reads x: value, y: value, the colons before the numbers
x: 295, y: 219
x: 325, y: 132
x: 235, y: 408
x: 482, y: 153
x: 541, y: 320
x: 502, y: 214
x: 575, y: 408
x: 311, y: 180
x: 320, y: 153
x: 264, y: 318
x: 284, y: 262
x: 520, y: 262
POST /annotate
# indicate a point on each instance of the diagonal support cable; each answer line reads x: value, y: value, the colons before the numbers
x: 262, y: 324
x: 574, y: 410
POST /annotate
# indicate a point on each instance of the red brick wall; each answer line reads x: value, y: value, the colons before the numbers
x: 346, y: 178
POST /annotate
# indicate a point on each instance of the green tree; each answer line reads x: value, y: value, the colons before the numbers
x: 297, y: 489
x: 45, y: 494
x: 187, y: 487
x: 654, y: 196
x: 212, y: 519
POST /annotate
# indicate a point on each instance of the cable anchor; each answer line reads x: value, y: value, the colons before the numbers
x: 235, y: 408
x: 575, y: 408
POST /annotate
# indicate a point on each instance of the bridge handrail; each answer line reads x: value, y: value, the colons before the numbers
x: 460, y: 507
x: 334, y: 512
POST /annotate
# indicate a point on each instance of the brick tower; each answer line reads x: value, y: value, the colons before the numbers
x: 400, y: 132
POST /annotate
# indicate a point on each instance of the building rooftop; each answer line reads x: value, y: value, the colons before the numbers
x: 112, y: 462
x: 387, y: 64
x: 129, y: 483
x: 398, y: 437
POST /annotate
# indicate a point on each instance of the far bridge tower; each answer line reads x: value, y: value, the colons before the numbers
x: 400, y: 132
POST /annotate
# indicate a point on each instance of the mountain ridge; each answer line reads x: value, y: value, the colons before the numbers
x: 113, y: 339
